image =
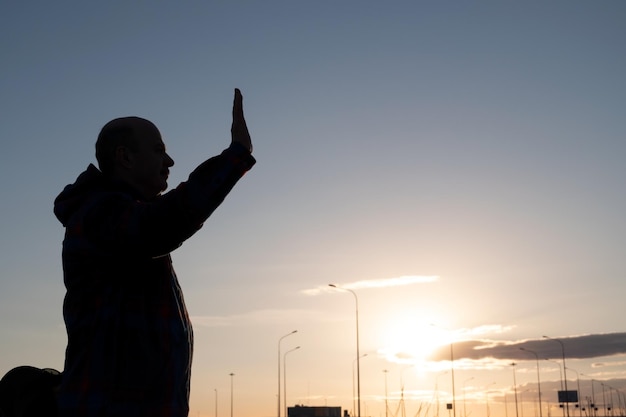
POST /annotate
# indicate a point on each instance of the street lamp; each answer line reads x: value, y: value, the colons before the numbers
x: 564, y: 374
x: 558, y: 365
x: 612, y: 404
x: 231, y: 393
x: 487, y: 398
x: 358, y: 368
x: 215, y: 389
x: 538, y: 381
x: 580, y: 411
x: 285, y: 377
x: 279, y: 340
x: 515, y: 389
x: 452, y: 371
x: 521, y: 402
x: 353, y: 385
x: 386, y: 403
x: 594, y: 409
x: 464, y: 408
x: 606, y: 409
x: 402, y: 378
x: 437, y: 390
x: 620, y: 397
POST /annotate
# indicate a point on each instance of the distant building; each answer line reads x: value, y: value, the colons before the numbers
x: 305, y: 411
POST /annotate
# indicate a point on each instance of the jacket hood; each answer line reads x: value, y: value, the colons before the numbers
x: 73, y: 195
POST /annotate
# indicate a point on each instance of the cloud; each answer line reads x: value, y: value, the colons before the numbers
x: 375, y: 283
x: 391, y: 282
x: 265, y: 317
x: 485, y: 329
x: 608, y: 364
x: 575, y: 347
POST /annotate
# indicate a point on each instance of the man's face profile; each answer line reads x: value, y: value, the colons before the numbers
x: 146, y: 163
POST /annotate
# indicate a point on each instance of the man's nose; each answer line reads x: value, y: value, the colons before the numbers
x: 168, y: 160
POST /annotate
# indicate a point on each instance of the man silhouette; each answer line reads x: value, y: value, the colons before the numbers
x: 130, y: 340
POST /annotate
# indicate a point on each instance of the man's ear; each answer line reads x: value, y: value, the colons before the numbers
x: 123, y: 156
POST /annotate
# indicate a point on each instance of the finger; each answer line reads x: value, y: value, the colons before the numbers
x: 238, y: 105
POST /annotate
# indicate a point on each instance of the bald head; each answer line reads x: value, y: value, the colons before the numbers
x: 123, y: 131
x: 130, y: 149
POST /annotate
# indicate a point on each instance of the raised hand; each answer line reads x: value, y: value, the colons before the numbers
x: 239, y: 129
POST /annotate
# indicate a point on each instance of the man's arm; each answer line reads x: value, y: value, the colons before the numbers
x: 161, y: 225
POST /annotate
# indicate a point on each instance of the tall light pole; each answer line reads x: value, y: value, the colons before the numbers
x: 594, y: 409
x: 402, y: 379
x: 580, y: 411
x: 215, y: 389
x: 558, y: 365
x: 593, y: 399
x: 386, y: 403
x: 353, y: 386
x: 604, y: 401
x: 402, y: 389
x: 231, y: 393
x: 515, y: 389
x: 437, y: 390
x: 358, y: 367
x: 619, y: 401
x: 465, y: 409
x: 285, y: 377
x: 538, y: 381
x: 521, y: 402
x: 487, y: 398
x: 611, y: 404
x: 280, y: 340
x: 452, y: 370
x: 564, y: 375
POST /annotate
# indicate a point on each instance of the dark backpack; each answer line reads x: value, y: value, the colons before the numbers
x: 27, y: 391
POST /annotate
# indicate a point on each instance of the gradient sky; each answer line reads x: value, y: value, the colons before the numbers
x: 458, y: 165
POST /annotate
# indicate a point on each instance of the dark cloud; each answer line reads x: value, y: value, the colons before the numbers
x: 579, y: 347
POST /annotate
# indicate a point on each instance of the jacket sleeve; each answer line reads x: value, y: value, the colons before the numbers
x: 212, y: 180
x: 157, y: 227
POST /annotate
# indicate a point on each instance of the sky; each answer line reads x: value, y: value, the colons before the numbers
x: 456, y: 169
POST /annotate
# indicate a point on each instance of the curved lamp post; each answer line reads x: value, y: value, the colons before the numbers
x: 515, y: 389
x: 593, y: 409
x: 285, y: 377
x: 566, y: 404
x: 452, y: 371
x: 465, y: 409
x: 436, y: 390
x: 280, y: 340
x: 538, y: 381
x: 487, y: 398
x: 358, y: 368
x: 580, y: 409
x: 231, y: 393
x: 353, y: 385
x: 386, y: 402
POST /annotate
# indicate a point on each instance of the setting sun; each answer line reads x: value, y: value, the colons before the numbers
x: 409, y: 342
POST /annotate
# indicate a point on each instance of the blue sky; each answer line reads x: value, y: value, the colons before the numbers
x: 478, y: 144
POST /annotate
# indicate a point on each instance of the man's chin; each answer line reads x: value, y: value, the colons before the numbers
x: 160, y: 189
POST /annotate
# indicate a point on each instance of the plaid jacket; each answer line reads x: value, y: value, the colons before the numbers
x: 130, y: 340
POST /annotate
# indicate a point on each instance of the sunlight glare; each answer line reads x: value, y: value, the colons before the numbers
x: 409, y: 342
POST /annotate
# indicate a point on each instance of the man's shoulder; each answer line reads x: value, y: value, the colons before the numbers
x: 92, y: 193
